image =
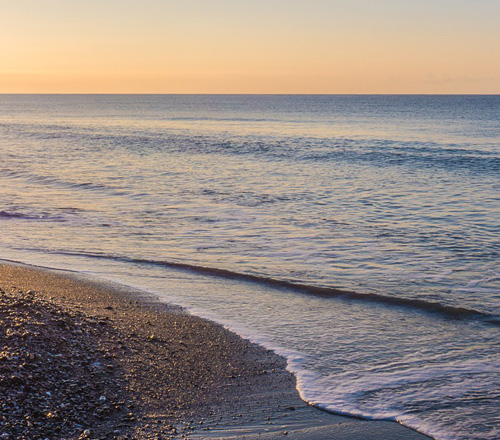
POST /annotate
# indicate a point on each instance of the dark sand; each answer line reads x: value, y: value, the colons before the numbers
x: 80, y: 358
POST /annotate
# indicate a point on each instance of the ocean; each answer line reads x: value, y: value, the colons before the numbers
x: 356, y: 235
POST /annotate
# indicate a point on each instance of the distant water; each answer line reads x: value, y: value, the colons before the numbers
x: 261, y: 212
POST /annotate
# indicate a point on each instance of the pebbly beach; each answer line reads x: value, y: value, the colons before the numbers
x: 81, y: 358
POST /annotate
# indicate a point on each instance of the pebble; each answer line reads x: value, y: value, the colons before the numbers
x: 41, y: 354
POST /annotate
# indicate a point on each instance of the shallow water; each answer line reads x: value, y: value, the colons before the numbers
x: 395, y: 198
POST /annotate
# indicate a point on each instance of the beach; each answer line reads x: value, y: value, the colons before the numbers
x: 145, y: 370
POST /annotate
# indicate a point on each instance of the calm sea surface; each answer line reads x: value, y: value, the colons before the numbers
x: 255, y: 211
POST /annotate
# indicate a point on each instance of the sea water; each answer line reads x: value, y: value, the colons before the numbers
x: 356, y: 235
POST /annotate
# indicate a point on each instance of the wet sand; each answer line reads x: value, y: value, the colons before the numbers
x: 146, y: 370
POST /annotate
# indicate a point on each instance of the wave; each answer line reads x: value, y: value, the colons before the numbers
x: 233, y: 119
x: 6, y: 214
x: 474, y: 157
x: 58, y: 182
x: 23, y: 216
x: 446, y: 311
x: 61, y: 214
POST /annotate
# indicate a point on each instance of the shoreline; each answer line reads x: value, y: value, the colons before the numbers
x: 183, y: 376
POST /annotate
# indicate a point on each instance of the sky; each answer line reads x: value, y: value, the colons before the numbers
x: 251, y: 46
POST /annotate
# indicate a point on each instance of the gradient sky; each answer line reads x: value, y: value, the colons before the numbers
x: 253, y: 46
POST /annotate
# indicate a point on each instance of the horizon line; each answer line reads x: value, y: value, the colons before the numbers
x: 255, y: 94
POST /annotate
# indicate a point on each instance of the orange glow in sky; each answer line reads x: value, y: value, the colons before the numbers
x: 272, y: 46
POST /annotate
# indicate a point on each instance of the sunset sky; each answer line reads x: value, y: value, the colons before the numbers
x: 257, y: 46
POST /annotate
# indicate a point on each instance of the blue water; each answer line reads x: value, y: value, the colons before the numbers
x: 356, y: 235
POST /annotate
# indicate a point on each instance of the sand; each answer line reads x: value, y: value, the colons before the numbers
x: 145, y: 369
